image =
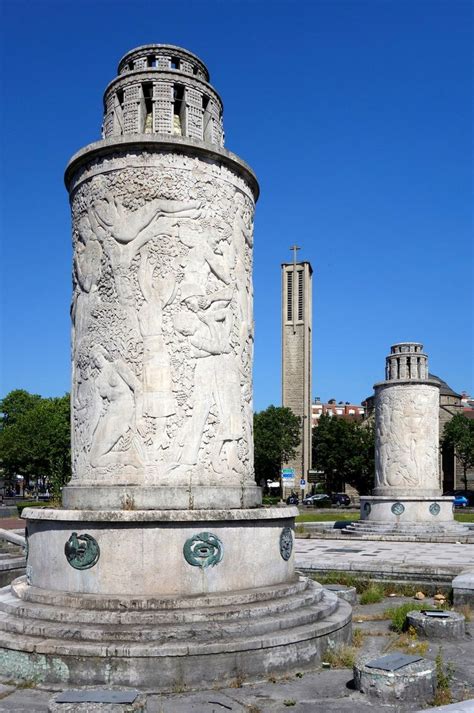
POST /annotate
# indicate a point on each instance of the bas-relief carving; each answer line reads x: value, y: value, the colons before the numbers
x: 406, y: 443
x: 163, y: 327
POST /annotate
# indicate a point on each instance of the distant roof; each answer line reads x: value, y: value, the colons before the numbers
x: 444, y: 389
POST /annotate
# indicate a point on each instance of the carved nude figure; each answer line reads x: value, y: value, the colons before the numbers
x: 199, y: 263
x: 123, y: 233
x: 87, y: 271
x: 158, y: 399
x: 235, y: 256
x: 216, y: 382
x: 120, y: 391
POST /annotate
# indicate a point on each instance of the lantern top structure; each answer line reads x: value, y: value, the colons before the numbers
x: 163, y: 90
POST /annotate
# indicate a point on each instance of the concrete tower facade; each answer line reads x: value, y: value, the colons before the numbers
x: 161, y: 549
x: 297, y: 357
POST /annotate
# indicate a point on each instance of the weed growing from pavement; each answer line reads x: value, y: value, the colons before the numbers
x: 444, y: 677
x: 410, y: 644
x: 358, y: 637
x: 398, y: 615
x: 341, y: 656
x: 372, y: 595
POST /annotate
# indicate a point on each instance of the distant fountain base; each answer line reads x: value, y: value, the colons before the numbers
x: 408, y: 517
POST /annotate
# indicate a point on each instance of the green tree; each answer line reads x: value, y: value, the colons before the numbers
x: 35, y: 438
x: 344, y: 451
x: 277, y: 435
x: 459, y: 435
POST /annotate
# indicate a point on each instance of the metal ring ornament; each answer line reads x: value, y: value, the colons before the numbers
x: 398, y: 508
x: 82, y: 551
x: 286, y: 543
x: 203, y: 550
x: 434, y: 508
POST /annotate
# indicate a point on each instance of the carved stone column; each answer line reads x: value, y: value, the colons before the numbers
x: 407, y: 490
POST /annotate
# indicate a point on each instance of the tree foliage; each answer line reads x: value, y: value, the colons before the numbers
x: 277, y: 435
x: 459, y: 435
x: 344, y: 451
x: 35, y: 438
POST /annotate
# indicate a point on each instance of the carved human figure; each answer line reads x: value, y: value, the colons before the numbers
x: 234, y: 252
x: 123, y: 233
x: 199, y: 263
x: 120, y: 391
x: 216, y: 383
x: 87, y: 271
x: 158, y: 399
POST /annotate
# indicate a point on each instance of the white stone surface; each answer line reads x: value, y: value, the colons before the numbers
x: 406, y: 438
x: 162, y: 327
x: 144, y: 557
x: 415, y: 509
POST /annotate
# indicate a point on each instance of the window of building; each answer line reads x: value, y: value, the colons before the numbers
x: 152, y: 62
x: 206, y: 118
x: 300, y: 295
x: 289, y: 296
x: 178, y: 109
x: 147, y: 108
x: 174, y: 63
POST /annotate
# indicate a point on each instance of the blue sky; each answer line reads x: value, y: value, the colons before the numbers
x: 356, y: 117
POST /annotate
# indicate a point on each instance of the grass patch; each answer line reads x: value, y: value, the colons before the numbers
x: 464, y: 516
x: 358, y: 637
x: 341, y: 656
x: 271, y: 499
x: 373, y: 594
x: 398, y: 615
x: 444, y: 677
x: 349, y: 580
x: 327, y: 516
x: 410, y: 644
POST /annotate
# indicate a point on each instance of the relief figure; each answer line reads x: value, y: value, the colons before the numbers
x: 199, y: 263
x: 120, y: 392
x: 87, y: 271
x: 123, y: 233
x: 216, y: 383
x: 158, y: 400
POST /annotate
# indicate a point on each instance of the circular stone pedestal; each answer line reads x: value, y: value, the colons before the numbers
x: 438, y: 624
x: 164, y: 601
x: 412, y: 682
x: 409, y: 516
x: 349, y: 594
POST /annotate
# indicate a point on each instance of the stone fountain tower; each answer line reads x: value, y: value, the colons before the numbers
x: 407, y: 497
x: 162, y: 569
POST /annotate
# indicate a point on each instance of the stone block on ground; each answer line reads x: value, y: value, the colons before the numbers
x: 98, y: 700
x: 388, y: 679
x: 463, y: 589
x: 437, y: 624
x: 349, y: 594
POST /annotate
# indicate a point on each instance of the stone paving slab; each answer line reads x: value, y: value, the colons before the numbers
x: 389, y: 558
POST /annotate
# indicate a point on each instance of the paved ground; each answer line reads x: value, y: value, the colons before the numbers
x: 397, y: 559
x: 11, y: 523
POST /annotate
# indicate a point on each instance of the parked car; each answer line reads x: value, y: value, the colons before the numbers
x: 460, y: 501
x: 340, y: 499
x: 319, y: 500
x: 468, y: 494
